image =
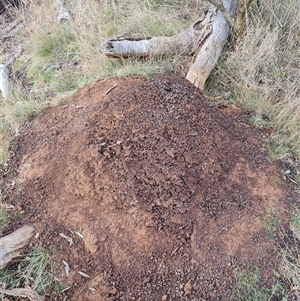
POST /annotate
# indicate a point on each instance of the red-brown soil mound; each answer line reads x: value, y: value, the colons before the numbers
x: 169, y: 194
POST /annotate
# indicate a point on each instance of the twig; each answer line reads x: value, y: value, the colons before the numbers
x: 110, y: 89
x: 83, y: 274
x: 292, y: 180
x: 186, y: 224
x: 175, y: 250
x: 76, y: 106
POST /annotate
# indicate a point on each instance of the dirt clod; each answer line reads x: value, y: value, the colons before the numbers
x: 169, y: 194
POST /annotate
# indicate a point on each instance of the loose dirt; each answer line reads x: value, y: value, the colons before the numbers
x: 169, y: 194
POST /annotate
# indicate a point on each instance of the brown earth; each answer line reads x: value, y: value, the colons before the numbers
x: 170, y: 195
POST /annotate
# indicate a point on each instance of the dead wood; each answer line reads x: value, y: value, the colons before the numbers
x: 205, y: 38
x: 4, y: 81
x: 22, y: 292
x: 184, y: 42
x: 63, y: 13
x: 208, y: 53
x: 11, y: 245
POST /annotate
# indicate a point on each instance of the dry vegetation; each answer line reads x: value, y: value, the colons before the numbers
x: 259, y: 72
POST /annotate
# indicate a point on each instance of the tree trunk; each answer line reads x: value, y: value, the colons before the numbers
x: 205, y: 38
x: 208, y: 53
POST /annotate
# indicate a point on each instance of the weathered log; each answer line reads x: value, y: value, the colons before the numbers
x: 206, y: 38
x: 239, y: 22
x: 11, y: 245
x: 4, y: 82
x: 182, y: 43
x: 63, y: 13
x: 22, y: 292
x: 208, y: 53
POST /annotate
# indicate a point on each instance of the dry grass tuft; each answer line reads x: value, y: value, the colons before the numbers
x: 262, y: 74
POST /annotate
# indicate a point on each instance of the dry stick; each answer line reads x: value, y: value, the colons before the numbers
x: 110, y: 89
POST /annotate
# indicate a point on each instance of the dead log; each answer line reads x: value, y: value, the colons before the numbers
x: 11, y: 245
x: 206, y: 38
x: 22, y: 292
x: 4, y: 82
x: 185, y: 42
x: 63, y: 13
x: 208, y: 53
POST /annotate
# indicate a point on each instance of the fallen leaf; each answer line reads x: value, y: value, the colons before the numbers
x: 67, y: 267
x: 83, y: 274
x: 69, y: 239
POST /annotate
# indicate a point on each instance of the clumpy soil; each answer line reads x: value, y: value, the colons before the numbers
x: 169, y: 195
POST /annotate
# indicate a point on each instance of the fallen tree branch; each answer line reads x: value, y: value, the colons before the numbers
x: 11, y: 245
x: 63, y: 13
x: 182, y: 43
x: 205, y: 38
x: 22, y: 292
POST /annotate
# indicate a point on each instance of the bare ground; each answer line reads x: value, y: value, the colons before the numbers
x: 169, y: 194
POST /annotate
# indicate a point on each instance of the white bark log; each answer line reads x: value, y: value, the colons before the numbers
x: 206, y: 38
x: 22, y: 292
x: 184, y: 42
x: 63, y: 13
x: 12, y: 245
x: 4, y: 81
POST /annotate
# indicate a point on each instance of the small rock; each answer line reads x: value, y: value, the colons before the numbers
x: 188, y: 288
x: 113, y: 292
x: 164, y: 298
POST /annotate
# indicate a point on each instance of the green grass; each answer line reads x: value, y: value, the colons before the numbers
x: 35, y: 271
x: 249, y: 288
x: 262, y: 74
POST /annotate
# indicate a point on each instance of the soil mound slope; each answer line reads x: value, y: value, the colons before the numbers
x: 169, y: 194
